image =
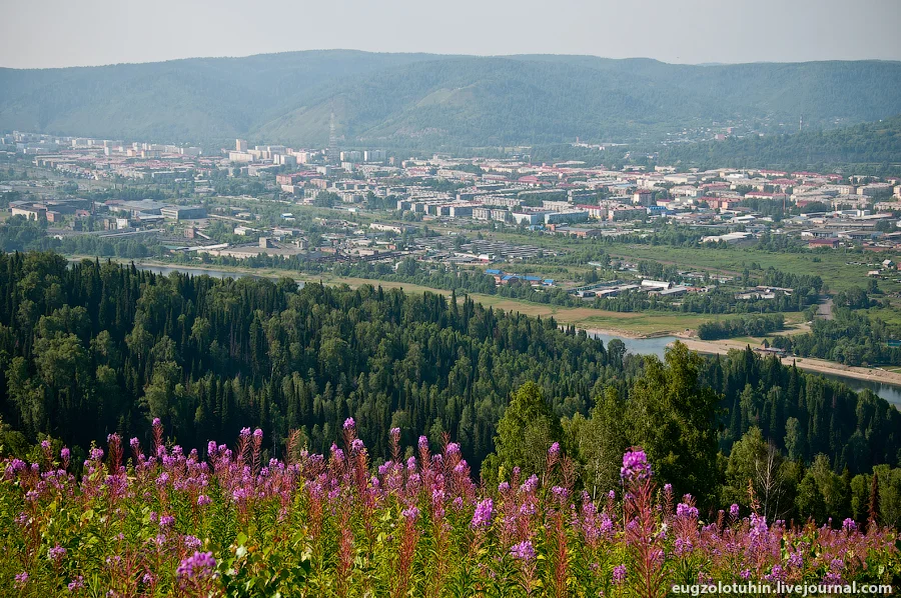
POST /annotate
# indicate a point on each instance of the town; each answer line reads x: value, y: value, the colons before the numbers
x: 387, y: 199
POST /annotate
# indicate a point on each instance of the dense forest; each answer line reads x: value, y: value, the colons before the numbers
x: 88, y: 349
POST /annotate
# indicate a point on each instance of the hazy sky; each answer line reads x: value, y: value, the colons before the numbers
x: 52, y: 33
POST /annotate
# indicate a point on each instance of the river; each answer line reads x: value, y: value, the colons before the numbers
x: 657, y: 345
x: 167, y: 270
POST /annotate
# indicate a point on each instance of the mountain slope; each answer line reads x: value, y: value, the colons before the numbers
x: 421, y: 99
x: 192, y: 99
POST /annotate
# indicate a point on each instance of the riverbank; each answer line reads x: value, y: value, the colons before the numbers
x: 822, y: 366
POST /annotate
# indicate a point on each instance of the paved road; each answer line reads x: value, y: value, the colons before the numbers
x: 824, y: 309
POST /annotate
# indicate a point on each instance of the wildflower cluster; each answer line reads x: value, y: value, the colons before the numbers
x: 166, y: 522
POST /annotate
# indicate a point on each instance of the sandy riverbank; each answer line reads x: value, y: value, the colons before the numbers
x: 805, y: 363
x: 619, y: 333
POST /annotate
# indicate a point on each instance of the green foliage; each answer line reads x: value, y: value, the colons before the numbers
x: 868, y: 143
x: 526, y: 432
x: 850, y: 337
x: 672, y: 414
x: 747, y: 326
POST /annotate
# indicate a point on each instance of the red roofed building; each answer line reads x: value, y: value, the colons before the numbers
x: 827, y: 242
x: 530, y: 180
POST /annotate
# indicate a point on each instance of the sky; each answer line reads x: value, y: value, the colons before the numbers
x: 57, y: 33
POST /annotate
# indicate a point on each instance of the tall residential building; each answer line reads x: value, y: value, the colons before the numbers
x: 332, y: 142
x: 241, y: 145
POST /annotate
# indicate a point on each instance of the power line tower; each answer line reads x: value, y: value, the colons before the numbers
x: 332, y: 142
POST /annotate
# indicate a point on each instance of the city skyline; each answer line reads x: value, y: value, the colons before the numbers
x: 99, y: 32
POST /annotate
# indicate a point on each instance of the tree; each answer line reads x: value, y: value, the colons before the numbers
x: 754, y: 460
x: 600, y: 442
x: 672, y: 415
x: 793, y: 439
x: 616, y: 350
x: 526, y: 432
x: 809, y: 501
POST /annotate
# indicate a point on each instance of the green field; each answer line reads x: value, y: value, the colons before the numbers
x: 891, y: 315
x: 832, y: 267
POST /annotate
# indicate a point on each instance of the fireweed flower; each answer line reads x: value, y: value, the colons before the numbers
x: 57, y: 553
x: 258, y: 433
x: 177, y: 482
x: 76, y: 584
x: 635, y: 465
x: 482, y: 516
x: 410, y: 514
x: 523, y: 551
x: 530, y: 485
x: 197, y: 566
x: 619, y: 575
x: 192, y: 543
x: 350, y: 424
x: 560, y: 494
x: 775, y: 574
x: 245, y: 432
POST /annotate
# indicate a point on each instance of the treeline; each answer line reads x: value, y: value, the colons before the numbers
x: 757, y: 326
x: 96, y: 348
x: 87, y: 349
x: 21, y: 234
x: 850, y: 338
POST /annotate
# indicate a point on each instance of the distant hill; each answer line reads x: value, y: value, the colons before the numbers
x: 432, y: 100
x: 875, y: 143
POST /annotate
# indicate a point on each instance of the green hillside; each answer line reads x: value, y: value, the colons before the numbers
x: 430, y: 100
x: 875, y: 143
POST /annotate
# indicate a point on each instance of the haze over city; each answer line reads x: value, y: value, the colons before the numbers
x: 97, y: 32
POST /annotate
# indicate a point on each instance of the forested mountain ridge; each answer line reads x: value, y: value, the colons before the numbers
x: 88, y: 349
x: 408, y: 99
